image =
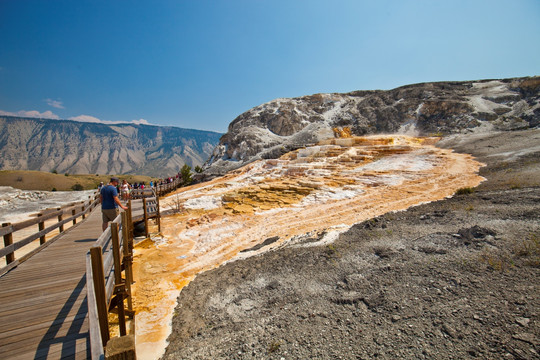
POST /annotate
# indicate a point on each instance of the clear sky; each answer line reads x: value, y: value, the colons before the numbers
x: 199, y: 63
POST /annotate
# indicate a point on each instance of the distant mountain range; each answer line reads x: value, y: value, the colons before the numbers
x: 268, y: 130
x: 439, y: 108
x: 87, y: 148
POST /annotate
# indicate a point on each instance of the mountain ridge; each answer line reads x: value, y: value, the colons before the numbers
x: 82, y: 147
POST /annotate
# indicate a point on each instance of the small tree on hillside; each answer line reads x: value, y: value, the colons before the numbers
x: 198, y: 169
x: 185, y: 172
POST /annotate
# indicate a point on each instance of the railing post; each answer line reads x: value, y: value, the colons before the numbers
x: 60, y: 218
x: 99, y: 288
x: 158, y: 215
x: 128, y: 258
x: 119, y: 285
x: 82, y: 209
x: 130, y: 218
x: 8, y: 240
x: 73, y: 214
x: 41, y: 226
x: 145, y: 211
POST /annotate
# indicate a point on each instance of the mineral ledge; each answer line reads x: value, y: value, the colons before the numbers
x: 311, y: 193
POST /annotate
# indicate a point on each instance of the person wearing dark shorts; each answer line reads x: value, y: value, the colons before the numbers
x: 110, y: 202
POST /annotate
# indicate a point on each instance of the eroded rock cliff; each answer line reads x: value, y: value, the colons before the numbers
x: 274, y: 128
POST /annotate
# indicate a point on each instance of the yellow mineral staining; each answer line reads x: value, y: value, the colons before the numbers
x: 342, y: 133
x: 334, y: 184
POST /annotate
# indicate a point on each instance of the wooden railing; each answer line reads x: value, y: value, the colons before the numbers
x: 62, y: 215
x: 157, y: 190
x: 109, y: 277
x: 145, y: 209
x: 108, y: 263
x: 168, y: 187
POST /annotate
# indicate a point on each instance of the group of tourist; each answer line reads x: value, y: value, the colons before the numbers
x: 110, y: 201
x: 125, y: 188
x: 167, y: 180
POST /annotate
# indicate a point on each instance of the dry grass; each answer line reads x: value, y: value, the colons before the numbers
x: 38, y: 180
x: 529, y: 249
x: 525, y: 252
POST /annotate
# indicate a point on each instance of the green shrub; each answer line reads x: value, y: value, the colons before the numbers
x: 77, y: 187
x: 465, y: 191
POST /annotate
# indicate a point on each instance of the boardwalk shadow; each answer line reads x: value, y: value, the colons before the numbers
x: 69, y: 324
x: 85, y: 240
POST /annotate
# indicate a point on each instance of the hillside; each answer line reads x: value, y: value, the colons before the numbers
x: 451, y: 279
x: 274, y: 128
x: 454, y: 278
x: 92, y: 148
x: 45, y: 181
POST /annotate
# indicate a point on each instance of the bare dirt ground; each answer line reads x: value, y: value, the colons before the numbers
x: 452, y: 279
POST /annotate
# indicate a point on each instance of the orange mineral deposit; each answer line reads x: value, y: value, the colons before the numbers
x: 325, y: 188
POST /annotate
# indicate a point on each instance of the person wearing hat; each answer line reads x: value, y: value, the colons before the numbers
x: 110, y: 202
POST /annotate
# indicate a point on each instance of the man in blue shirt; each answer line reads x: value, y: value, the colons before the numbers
x: 110, y: 202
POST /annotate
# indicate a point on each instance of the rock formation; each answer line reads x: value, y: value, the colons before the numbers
x: 88, y: 148
x: 307, y: 194
x: 274, y: 128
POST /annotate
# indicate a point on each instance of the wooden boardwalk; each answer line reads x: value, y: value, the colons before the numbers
x: 43, y: 305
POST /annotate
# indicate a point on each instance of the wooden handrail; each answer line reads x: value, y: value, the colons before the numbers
x: 7, y: 230
x: 106, y: 288
x: 111, y: 254
x: 96, y: 343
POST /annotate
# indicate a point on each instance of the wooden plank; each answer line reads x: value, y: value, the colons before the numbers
x: 25, y: 257
x: 145, y: 218
x: 72, y: 347
x: 109, y: 285
x: 96, y: 342
x: 55, y: 334
x: 8, y: 241
x: 39, y: 287
x: 35, y: 332
x: 104, y: 237
x: 19, y: 244
x: 24, y: 224
x: 35, y: 316
x: 158, y: 215
x: 99, y: 290
x: 76, y: 348
x: 46, y: 216
x: 22, y: 305
x: 7, y: 229
x: 118, y: 278
x: 127, y: 259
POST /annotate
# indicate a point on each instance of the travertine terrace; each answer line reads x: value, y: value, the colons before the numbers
x: 305, y: 198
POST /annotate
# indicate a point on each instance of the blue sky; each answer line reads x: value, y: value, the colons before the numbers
x: 200, y: 63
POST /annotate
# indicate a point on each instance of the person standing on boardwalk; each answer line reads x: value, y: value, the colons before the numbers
x: 125, y: 190
x: 110, y: 202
